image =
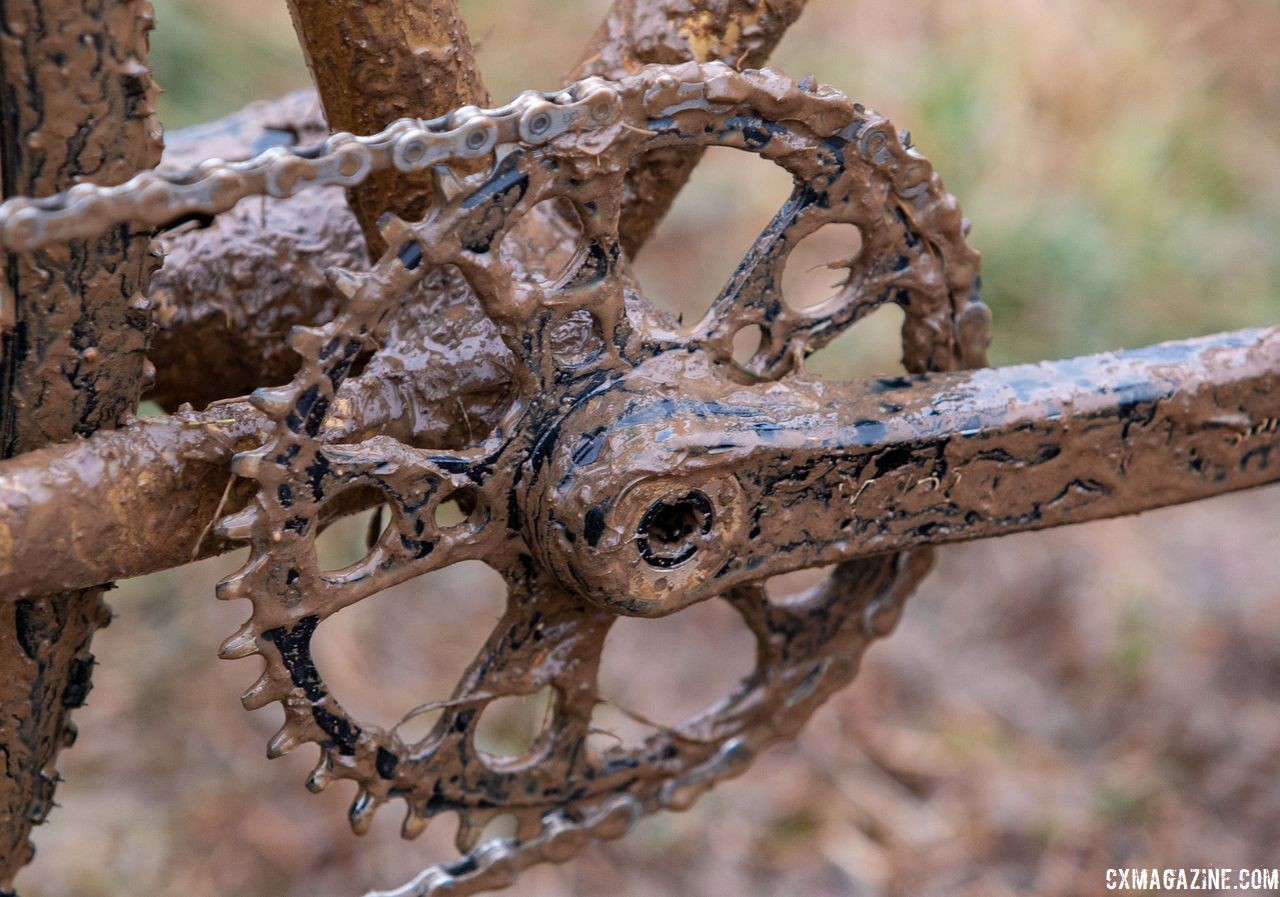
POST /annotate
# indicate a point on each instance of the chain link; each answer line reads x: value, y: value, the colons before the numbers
x: 152, y: 199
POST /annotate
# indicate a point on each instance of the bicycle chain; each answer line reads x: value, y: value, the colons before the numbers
x: 573, y: 339
x: 152, y: 199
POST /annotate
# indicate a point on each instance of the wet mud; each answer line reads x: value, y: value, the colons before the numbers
x: 72, y: 334
x: 377, y: 62
x: 231, y: 288
x: 608, y: 460
x: 636, y: 33
x: 571, y: 341
x: 638, y: 468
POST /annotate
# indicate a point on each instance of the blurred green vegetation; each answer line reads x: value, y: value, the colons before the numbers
x: 213, y: 56
x: 1118, y: 160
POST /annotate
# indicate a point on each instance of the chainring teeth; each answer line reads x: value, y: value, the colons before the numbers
x: 866, y: 175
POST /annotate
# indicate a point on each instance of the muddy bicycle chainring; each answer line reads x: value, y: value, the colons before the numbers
x: 588, y: 333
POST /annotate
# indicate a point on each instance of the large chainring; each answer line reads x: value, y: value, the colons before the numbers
x: 573, y: 339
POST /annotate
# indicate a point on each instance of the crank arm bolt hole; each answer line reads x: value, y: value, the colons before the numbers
x: 670, y: 531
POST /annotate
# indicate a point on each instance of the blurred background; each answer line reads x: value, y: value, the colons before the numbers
x: 1051, y: 705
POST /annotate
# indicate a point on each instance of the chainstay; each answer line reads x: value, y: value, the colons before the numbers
x: 153, y: 199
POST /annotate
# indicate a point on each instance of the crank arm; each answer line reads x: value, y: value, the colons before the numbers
x: 674, y: 494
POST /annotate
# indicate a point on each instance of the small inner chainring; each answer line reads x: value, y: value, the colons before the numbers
x: 570, y: 339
